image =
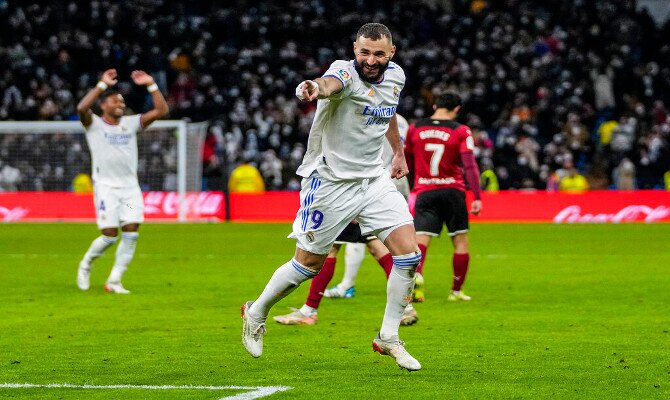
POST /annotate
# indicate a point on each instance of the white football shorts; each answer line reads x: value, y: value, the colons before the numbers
x: 115, y: 207
x: 327, y: 207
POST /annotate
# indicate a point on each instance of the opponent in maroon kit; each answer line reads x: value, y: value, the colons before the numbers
x: 438, y: 149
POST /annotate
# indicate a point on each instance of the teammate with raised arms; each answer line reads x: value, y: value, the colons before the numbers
x: 112, y: 139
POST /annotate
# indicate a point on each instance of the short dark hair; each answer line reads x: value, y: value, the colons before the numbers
x: 449, y: 100
x: 374, y: 31
x: 104, y: 95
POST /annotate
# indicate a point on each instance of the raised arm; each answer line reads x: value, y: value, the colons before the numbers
x: 161, y: 108
x: 107, y: 79
x: 319, y: 88
x: 399, y: 163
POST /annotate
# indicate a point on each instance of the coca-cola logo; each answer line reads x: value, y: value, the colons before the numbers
x: 13, y: 214
x: 572, y: 214
x: 203, y: 204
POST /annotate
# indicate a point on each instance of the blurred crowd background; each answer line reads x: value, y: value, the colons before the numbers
x: 561, y: 95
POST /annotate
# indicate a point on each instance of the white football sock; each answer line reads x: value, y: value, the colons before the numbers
x: 307, y: 310
x: 98, y: 247
x: 398, y: 293
x: 353, y: 257
x: 285, y: 279
x: 124, y: 255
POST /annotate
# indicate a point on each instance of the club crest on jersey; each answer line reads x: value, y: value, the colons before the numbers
x: 344, y: 74
x: 371, y: 93
x: 396, y: 92
x: 310, y: 236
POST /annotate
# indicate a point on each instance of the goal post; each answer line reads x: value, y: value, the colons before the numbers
x: 45, y: 156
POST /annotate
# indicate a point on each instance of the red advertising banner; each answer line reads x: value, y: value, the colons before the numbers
x: 268, y: 206
x: 64, y: 206
x: 509, y: 206
x: 591, y: 207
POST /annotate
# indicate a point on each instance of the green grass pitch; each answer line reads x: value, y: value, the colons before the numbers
x: 558, y: 311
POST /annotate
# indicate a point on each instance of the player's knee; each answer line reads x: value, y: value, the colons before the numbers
x: 309, y: 260
x: 130, y: 228
x: 110, y: 232
x: 461, y: 243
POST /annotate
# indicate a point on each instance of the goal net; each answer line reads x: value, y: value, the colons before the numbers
x: 45, y: 158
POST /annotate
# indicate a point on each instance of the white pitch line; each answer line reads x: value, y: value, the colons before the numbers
x: 256, y: 392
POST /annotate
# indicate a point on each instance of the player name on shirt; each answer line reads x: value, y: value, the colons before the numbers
x: 434, y: 134
x: 437, y: 181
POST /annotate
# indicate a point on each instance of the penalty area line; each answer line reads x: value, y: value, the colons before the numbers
x: 254, y: 392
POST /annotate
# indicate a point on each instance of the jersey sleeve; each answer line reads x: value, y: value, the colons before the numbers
x: 135, y: 122
x: 95, y: 121
x: 467, y: 141
x: 341, y: 70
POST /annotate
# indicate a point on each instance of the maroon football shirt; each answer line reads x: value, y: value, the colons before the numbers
x: 433, y: 150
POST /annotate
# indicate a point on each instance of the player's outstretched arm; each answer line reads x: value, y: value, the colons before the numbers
x: 161, y: 108
x: 107, y: 79
x: 399, y: 163
x: 319, y: 88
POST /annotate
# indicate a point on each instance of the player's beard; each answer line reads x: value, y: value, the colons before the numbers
x: 372, y: 79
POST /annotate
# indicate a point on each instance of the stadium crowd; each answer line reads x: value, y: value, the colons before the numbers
x: 552, y: 90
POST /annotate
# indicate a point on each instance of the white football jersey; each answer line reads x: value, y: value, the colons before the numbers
x: 348, y: 133
x: 114, y: 151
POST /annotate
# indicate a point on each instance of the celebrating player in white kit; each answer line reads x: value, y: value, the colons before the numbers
x: 112, y: 139
x: 344, y: 179
x: 355, y: 252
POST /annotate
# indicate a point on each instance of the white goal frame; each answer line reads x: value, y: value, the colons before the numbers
x: 181, y: 128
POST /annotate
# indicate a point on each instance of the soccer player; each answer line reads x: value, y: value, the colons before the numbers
x: 307, y: 314
x: 355, y: 252
x: 344, y: 180
x: 436, y: 148
x: 112, y: 139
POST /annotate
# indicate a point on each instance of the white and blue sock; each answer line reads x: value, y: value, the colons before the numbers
x: 285, y: 279
x: 124, y: 255
x: 97, y: 248
x: 398, y: 293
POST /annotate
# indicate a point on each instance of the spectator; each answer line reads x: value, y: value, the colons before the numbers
x: 212, y: 162
x: 271, y: 169
x: 10, y: 177
x: 246, y: 179
x: 488, y: 178
x: 624, y: 175
x: 573, y: 182
x: 82, y: 183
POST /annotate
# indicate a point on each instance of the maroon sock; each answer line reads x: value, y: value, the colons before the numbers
x: 320, y: 282
x: 460, y: 262
x: 424, y: 250
x: 386, y: 262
